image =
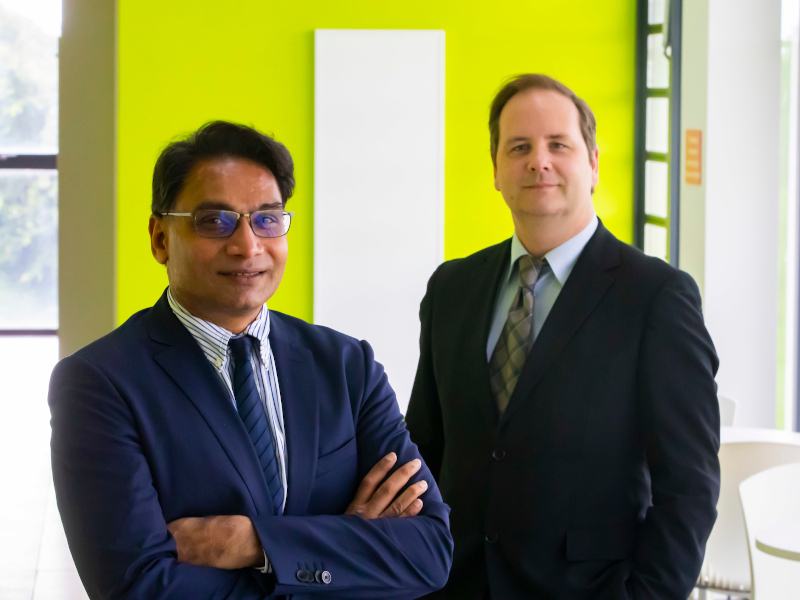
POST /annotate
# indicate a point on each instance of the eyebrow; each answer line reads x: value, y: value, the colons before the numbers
x: 522, y: 138
x: 273, y: 205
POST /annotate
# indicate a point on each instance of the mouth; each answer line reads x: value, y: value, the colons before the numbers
x: 242, y: 275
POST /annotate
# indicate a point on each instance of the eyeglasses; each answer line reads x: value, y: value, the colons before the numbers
x: 217, y: 223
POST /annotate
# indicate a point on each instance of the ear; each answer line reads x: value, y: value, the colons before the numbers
x: 594, y: 160
x: 494, y: 174
x: 158, y: 240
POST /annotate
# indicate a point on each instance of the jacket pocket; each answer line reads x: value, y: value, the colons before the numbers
x: 341, y: 456
x: 604, y: 542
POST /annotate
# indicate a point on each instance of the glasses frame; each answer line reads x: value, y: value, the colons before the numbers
x: 239, y: 216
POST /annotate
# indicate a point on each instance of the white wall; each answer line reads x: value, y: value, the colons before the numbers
x: 378, y: 186
x: 729, y: 226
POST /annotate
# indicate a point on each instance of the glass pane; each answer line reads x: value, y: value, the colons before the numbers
x: 655, y: 241
x: 657, y: 63
x: 657, y: 136
x: 29, y: 76
x: 655, y: 12
x: 656, y: 188
x: 28, y: 249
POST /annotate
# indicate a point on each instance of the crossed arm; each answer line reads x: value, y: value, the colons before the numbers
x: 231, y: 541
x: 123, y: 547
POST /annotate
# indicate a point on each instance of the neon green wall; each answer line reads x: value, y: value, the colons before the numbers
x: 182, y: 63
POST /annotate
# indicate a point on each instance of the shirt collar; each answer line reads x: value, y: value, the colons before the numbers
x: 560, y: 259
x: 213, y: 339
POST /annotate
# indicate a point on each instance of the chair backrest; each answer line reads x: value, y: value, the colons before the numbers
x: 743, y: 453
x: 727, y: 411
x: 771, y: 501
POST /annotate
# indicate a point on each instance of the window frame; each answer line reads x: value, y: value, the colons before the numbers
x: 672, y: 30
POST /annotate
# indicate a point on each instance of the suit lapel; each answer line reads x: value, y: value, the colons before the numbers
x: 184, y: 362
x: 591, y: 277
x: 481, y: 294
x: 294, y: 364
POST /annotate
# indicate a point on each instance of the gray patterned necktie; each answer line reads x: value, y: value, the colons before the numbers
x: 517, y: 336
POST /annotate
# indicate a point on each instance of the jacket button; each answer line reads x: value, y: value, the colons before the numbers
x: 498, y: 454
x: 304, y: 576
x: 323, y: 577
x: 491, y: 537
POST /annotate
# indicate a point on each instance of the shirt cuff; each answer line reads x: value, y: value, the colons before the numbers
x: 267, y: 568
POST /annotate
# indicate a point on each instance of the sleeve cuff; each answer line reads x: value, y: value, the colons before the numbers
x: 267, y: 568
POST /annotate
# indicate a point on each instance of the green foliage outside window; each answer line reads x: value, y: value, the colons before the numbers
x: 28, y: 198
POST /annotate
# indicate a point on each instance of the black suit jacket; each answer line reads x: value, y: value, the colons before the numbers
x: 601, y: 478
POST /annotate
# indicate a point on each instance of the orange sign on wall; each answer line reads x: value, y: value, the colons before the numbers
x: 693, y: 161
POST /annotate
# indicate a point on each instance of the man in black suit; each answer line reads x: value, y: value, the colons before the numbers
x: 565, y: 394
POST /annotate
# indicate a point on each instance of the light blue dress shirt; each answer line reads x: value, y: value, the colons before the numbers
x: 560, y: 261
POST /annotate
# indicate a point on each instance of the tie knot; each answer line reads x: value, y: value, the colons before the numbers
x: 240, y: 347
x: 529, y: 270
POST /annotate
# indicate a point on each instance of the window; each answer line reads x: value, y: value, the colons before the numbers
x: 28, y: 182
x: 29, y: 34
x: 657, y: 128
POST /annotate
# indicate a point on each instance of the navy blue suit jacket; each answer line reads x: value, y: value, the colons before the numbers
x: 600, y: 479
x: 144, y: 432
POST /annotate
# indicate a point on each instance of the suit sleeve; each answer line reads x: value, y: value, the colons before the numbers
x: 680, y: 425
x: 379, y: 558
x: 424, y: 416
x: 109, y: 506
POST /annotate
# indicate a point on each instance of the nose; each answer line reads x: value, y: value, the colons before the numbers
x: 243, y: 242
x: 539, y: 160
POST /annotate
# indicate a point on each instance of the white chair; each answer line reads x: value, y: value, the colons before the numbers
x: 771, y: 508
x: 743, y: 453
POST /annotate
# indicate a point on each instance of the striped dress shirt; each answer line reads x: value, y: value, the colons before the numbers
x: 213, y: 341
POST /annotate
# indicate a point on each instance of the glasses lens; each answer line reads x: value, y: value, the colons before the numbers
x: 215, y: 223
x: 270, y: 223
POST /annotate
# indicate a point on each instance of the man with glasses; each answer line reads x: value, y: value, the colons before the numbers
x: 565, y: 396
x: 210, y: 447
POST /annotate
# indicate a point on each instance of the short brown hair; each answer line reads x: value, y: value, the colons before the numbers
x: 536, y: 81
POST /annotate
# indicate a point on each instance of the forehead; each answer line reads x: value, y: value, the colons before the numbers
x: 239, y: 182
x: 539, y: 112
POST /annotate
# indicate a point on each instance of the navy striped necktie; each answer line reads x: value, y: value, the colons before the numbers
x: 251, y: 411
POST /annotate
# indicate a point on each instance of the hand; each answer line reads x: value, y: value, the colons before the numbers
x: 378, y: 498
x: 223, y: 542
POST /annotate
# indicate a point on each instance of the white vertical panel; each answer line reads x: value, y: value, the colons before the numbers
x: 378, y: 186
x: 730, y: 225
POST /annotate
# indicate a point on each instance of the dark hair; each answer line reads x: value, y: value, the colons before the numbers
x: 536, y: 81
x: 218, y: 139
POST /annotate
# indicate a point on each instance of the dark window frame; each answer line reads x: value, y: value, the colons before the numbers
x: 641, y: 155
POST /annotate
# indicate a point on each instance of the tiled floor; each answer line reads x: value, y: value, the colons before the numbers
x: 35, y: 563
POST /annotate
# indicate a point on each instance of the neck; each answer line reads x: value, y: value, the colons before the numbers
x: 236, y: 323
x: 540, y: 235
